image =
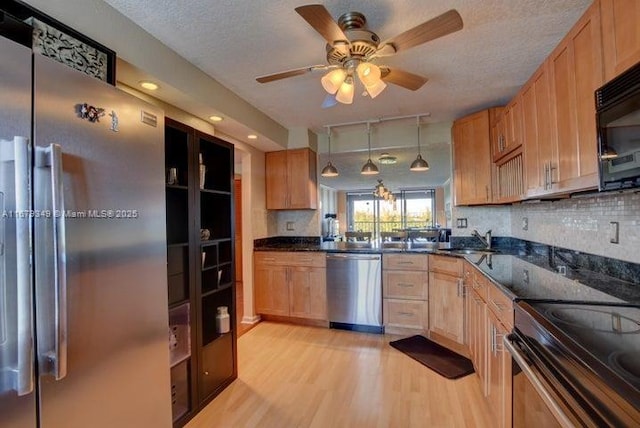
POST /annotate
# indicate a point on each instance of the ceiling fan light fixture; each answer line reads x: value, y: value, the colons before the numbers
x: 375, y: 89
x: 332, y: 81
x: 368, y: 73
x: 345, y: 93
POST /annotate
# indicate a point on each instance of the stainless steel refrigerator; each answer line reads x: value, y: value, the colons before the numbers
x: 83, y: 294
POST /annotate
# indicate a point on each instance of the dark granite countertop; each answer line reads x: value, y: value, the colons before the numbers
x: 521, y: 269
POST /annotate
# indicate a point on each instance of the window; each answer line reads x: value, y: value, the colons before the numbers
x: 413, y: 209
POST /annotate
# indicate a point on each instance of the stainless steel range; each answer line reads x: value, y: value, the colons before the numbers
x: 575, y: 364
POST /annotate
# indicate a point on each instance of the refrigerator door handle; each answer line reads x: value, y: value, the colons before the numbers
x: 60, y: 262
x: 18, y: 152
x: 55, y: 353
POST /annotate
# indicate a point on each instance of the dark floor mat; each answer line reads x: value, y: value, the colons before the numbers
x: 438, y: 358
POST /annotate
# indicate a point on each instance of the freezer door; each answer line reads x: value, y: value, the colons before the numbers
x: 17, y: 399
x: 100, y: 258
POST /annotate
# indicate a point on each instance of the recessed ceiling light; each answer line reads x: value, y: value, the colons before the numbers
x: 387, y: 159
x: 252, y: 136
x: 215, y: 118
x: 149, y: 85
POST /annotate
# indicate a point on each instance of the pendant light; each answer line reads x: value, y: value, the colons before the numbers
x: 419, y: 164
x: 329, y: 170
x: 369, y: 168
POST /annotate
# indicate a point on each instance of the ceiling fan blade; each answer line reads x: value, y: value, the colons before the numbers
x: 447, y: 23
x: 403, y: 78
x: 289, y: 73
x: 319, y: 18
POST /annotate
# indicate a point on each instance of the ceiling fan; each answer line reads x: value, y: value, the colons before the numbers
x: 353, y: 50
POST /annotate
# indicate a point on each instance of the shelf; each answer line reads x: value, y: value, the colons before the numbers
x: 174, y: 305
x: 178, y: 244
x: 221, y: 288
x: 180, y: 360
x: 210, y: 267
x: 215, y: 192
x: 177, y: 187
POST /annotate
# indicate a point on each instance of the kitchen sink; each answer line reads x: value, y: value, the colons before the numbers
x: 469, y: 250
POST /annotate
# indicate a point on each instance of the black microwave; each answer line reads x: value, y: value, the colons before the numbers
x: 618, y: 122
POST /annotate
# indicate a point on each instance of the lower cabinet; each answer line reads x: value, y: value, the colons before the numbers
x: 446, y: 298
x: 290, y: 284
x: 489, y: 318
x: 405, y: 289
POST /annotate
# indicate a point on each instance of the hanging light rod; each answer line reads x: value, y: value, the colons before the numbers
x: 378, y: 120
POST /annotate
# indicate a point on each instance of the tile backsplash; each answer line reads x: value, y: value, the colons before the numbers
x: 583, y: 224
x: 580, y: 223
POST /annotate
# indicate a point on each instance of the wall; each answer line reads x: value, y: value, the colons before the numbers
x: 497, y: 218
x: 99, y: 21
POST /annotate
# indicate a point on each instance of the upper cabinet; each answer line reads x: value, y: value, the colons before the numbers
x: 291, y: 180
x: 508, y: 130
x: 544, y: 143
x: 472, y: 163
x: 620, y: 35
x: 576, y: 71
x: 539, y: 150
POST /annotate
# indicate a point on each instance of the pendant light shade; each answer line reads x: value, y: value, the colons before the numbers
x: 419, y: 164
x: 368, y: 73
x: 329, y: 170
x: 369, y: 168
x: 332, y: 80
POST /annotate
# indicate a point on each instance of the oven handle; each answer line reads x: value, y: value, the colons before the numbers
x: 520, y: 359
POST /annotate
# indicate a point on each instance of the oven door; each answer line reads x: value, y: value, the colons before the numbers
x: 539, y: 397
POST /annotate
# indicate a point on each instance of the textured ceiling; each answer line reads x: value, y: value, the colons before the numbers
x: 484, y: 64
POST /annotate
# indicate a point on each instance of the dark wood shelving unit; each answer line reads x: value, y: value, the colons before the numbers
x: 201, y: 272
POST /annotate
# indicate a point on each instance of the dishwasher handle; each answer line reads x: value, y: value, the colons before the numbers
x: 345, y: 257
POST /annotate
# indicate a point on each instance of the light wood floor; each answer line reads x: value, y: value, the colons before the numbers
x: 294, y: 376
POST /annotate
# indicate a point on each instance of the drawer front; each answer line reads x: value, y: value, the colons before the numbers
x: 406, y: 313
x: 501, y: 305
x: 446, y: 264
x: 405, y: 284
x: 295, y: 258
x: 405, y: 261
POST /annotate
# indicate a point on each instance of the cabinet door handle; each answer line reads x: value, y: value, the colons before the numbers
x: 460, y: 288
x: 405, y: 284
x: 405, y: 263
x: 546, y: 176
x: 405, y: 314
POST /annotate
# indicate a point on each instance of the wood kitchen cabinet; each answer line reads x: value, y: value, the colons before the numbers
x: 472, y: 161
x: 576, y: 71
x: 620, y: 35
x: 476, y: 321
x: 446, y: 298
x: 290, y: 284
x: 508, y: 129
x: 489, y: 316
x: 539, y: 148
x: 291, y: 179
x: 405, y: 285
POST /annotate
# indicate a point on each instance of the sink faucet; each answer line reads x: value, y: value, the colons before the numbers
x: 486, y: 240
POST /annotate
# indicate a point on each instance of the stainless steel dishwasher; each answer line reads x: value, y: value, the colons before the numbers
x: 354, y: 292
